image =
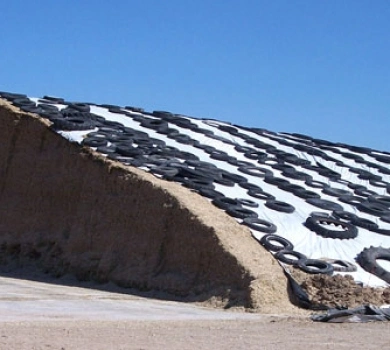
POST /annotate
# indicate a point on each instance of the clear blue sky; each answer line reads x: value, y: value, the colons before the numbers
x: 319, y: 67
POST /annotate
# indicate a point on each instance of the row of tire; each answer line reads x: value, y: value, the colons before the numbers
x: 312, y: 148
x: 76, y: 116
x: 71, y: 121
x: 282, y: 250
x: 201, y: 179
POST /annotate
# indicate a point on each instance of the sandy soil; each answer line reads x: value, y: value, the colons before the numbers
x: 263, y: 334
x: 67, y: 314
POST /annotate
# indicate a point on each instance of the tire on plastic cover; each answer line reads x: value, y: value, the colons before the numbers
x: 279, y: 206
x: 367, y: 259
x: 324, y: 204
x: 73, y: 123
x: 318, y: 225
x: 343, y: 215
x: 374, y: 208
x: 282, y: 255
x: 314, y: 266
x: 240, y: 212
x: 341, y: 265
x: 283, y: 243
x: 364, y: 223
x: 259, y: 225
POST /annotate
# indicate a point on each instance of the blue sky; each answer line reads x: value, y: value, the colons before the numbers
x: 320, y: 68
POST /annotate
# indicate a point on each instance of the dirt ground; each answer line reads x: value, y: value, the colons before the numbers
x: 66, y: 314
x: 269, y: 333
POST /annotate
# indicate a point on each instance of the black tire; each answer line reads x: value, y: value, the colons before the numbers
x: 314, y: 266
x: 364, y: 192
x: 124, y: 159
x: 330, y: 174
x: 247, y: 203
x: 320, y: 214
x: 297, y: 175
x: 364, y: 223
x: 249, y: 186
x: 282, y: 255
x: 336, y: 192
x: 193, y: 184
x: 10, y: 96
x: 164, y: 171
x: 119, y: 138
x: 160, y: 159
x: 382, y: 200
x: 382, y: 159
x: 343, y: 215
x: 350, y: 199
x: 106, y: 149
x: 341, y: 265
x: 316, y: 224
x: 73, y: 123
x: 373, y: 208
x: 201, y: 164
x: 220, y: 155
x: 367, y: 259
x: 19, y: 102
x: 255, y: 171
x: 225, y: 202
x: 52, y: 99
x: 256, y: 155
x: 210, y: 193
x: 292, y: 188
x: 49, y: 108
x: 240, y: 212
x: 353, y: 186
x: 284, y: 244
x: 238, y: 163
x: 94, y: 142
x: 50, y: 115
x: 273, y: 180
x: 153, y: 123
x: 31, y: 109
x: 230, y: 129
x: 386, y: 218
x: 181, y: 138
x: 260, y: 194
x: 316, y: 184
x: 379, y: 183
x: 130, y: 151
x: 233, y: 177
x: 259, y: 225
x: 79, y: 106
x: 243, y: 149
x: 381, y: 231
x: 282, y: 167
x: 224, y: 182
x: 324, y: 204
x: 279, y: 206
x: 305, y: 194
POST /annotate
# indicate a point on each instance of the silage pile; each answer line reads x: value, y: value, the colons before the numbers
x: 116, y: 217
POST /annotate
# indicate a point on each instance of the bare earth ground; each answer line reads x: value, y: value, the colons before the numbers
x: 80, y: 315
x: 262, y: 334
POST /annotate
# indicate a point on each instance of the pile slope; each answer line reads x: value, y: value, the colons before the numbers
x: 70, y: 210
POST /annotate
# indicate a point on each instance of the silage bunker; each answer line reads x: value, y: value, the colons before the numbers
x: 70, y: 210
